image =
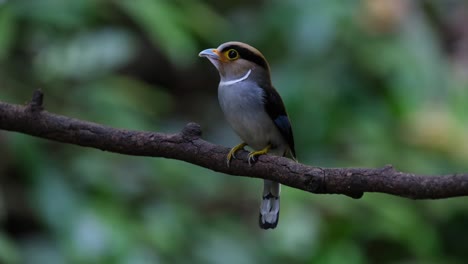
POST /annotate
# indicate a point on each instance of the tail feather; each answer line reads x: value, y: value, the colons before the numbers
x: 270, y: 206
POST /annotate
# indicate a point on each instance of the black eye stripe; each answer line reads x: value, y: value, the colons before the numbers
x: 247, y: 54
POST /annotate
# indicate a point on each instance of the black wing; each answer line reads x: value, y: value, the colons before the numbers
x: 274, y: 106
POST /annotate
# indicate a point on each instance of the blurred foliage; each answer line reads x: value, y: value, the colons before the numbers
x: 366, y: 83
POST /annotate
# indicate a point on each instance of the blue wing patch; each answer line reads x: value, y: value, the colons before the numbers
x: 284, y: 126
x: 274, y: 106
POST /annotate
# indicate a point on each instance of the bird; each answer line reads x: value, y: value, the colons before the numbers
x: 255, y: 111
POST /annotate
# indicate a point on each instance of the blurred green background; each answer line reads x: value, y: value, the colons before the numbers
x: 366, y: 83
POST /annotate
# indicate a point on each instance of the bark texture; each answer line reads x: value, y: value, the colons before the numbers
x: 188, y: 146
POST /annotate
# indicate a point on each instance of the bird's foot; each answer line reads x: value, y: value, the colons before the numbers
x: 253, y: 155
x: 232, y: 152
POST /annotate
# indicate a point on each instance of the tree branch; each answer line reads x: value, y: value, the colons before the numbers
x: 188, y: 146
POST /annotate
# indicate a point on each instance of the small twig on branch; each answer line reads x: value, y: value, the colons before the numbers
x: 36, y: 102
x: 188, y: 146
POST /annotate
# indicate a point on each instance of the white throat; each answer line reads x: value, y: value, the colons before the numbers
x: 231, y: 82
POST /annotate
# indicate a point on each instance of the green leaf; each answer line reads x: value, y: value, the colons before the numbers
x: 7, y: 31
x: 8, y: 251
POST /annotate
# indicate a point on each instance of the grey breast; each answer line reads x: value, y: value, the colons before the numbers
x: 243, y: 107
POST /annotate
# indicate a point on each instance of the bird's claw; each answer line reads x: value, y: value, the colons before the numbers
x: 232, y: 153
x: 252, y: 158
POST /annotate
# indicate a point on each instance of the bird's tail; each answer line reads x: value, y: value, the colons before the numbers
x: 270, y: 206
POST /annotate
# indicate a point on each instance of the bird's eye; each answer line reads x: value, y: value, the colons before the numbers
x: 232, y: 54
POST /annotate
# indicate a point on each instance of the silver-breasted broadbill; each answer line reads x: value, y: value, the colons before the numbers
x: 255, y: 111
